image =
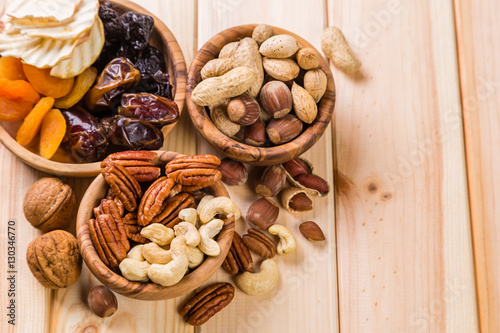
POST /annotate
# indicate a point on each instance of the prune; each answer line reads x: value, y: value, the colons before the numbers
x: 85, y: 138
x: 158, y: 84
x: 134, y: 134
x: 136, y: 32
x: 150, y: 61
x: 110, y: 17
x: 148, y: 107
x: 117, y: 77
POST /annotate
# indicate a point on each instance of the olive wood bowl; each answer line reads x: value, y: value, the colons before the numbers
x: 239, y: 150
x: 138, y: 290
x: 165, y: 41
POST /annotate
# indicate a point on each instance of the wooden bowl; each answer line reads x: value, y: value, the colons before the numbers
x: 61, y: 164
x: 145, y: 291
x: 241, y: 151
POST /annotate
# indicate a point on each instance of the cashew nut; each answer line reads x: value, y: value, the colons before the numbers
x: 134, y: 270
x: 259, y: 283
x: 189, y: 232
x: 195, y: 256
x: 174, y: 271
x: 136, y: 253
x: 287, y: 242
x: 208, y: 231
x: 154, y: 254
x: 206, y: 199
x: 158, y: 233
x: 219, y: 205
x: 189, y: 215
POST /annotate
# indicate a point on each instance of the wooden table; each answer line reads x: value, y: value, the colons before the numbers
x: 412, y: 226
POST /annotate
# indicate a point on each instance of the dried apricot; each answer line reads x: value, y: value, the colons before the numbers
x: 33, y: 121
x: 14, y: 110
x: 83, y: 82
x: 18, y: 89
x: 52, y: 133
x: 45, y: 84
x: 11, y: 68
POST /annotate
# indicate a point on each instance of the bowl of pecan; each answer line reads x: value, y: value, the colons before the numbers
x: 260, y: 94
x: 117, y: 82
x: 156, y: 225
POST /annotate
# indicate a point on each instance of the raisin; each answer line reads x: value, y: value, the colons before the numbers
x: 137, y: 30
x: 110, y: 17
x: 157, y: 84
x: 150, y: 61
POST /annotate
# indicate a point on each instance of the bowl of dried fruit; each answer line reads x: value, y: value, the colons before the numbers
x: 156, y: 225
x: 85, y: 79
x: 260, y: 94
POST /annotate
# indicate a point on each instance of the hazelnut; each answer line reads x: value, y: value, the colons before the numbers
x: 284, y: 129
x: 311, y: 231
x: 102, y: 301
x: 296, y: 167
x: 313, y: 182
x: 301, y: 202
x: 276, y: 99
x: 49, y: 204
x: 54, y: 259
x: 255, y: 134
x: 233, y: 172
x: 271, y: 181
x: 263, y: 213
x: 243, y: 110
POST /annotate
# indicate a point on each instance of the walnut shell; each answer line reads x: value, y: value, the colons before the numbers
x: 49, y: 204
x: 54, y: 259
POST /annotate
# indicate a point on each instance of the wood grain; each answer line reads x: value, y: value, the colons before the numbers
x: 305, y: 299
x: 404, y: 240
x: 479, y: 51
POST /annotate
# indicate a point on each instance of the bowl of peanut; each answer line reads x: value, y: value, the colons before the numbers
x: 260, y: 94
x: 155, y: 224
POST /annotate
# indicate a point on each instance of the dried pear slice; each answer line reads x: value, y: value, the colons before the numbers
x: 41, y: 11
x: 79, y: 24
x: 83, y: 56
x: 16, y: 45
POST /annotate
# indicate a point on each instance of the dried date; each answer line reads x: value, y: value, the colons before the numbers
x: 134, y: 134
x: 148, y: 107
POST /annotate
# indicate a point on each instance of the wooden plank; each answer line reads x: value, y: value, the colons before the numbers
x: 404, y: 240
x: 305, y: 299
x: 479, y: 51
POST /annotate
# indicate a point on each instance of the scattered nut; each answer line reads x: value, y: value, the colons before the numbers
x: 158, y: 233
x: 296, y: 167
x: 276, y: 99
x: 262, y: 213
x: 49, y: 204
x: 216, y: 67
x: 296, y: 200
x: 238, y: 258
x: 234, y: 173
x: 284, y: 129
x: 102, y: 301
x: 279, y: 46
x: 207, y: 232
x: 155, y: 254
x: 243, y: 110
x: 315, y: 82
x: 189, y: 232
x: 303, y: 104
x: 262, y: 32
x: 259, y: 283
x: 311, y: 231
x: 281, y: 69
x: 134, y: 270
x: 271, y: 181
x: 215, y: 89
x: 335, y: 47
x: 287, y: 242
x: 189, y: 215
x: 308, y: 58
x: 314, y: 183
x: 174, y: 271
x: 220, y: 205
x: 259, y: 243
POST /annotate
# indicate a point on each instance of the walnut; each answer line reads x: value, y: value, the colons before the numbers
x: 54, y: 259
x: 49, y: 204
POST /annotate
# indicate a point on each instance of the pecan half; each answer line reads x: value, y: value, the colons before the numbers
x: 108, y: 242
x: 133, y: 229
x: 238, y: 258
x: 194, y: 172
x: 154, y: 199
x: 205, y: 304
x: 123, y: 186
x: 169, y: 215
x: 259, y: 243
x: 138, y: 163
